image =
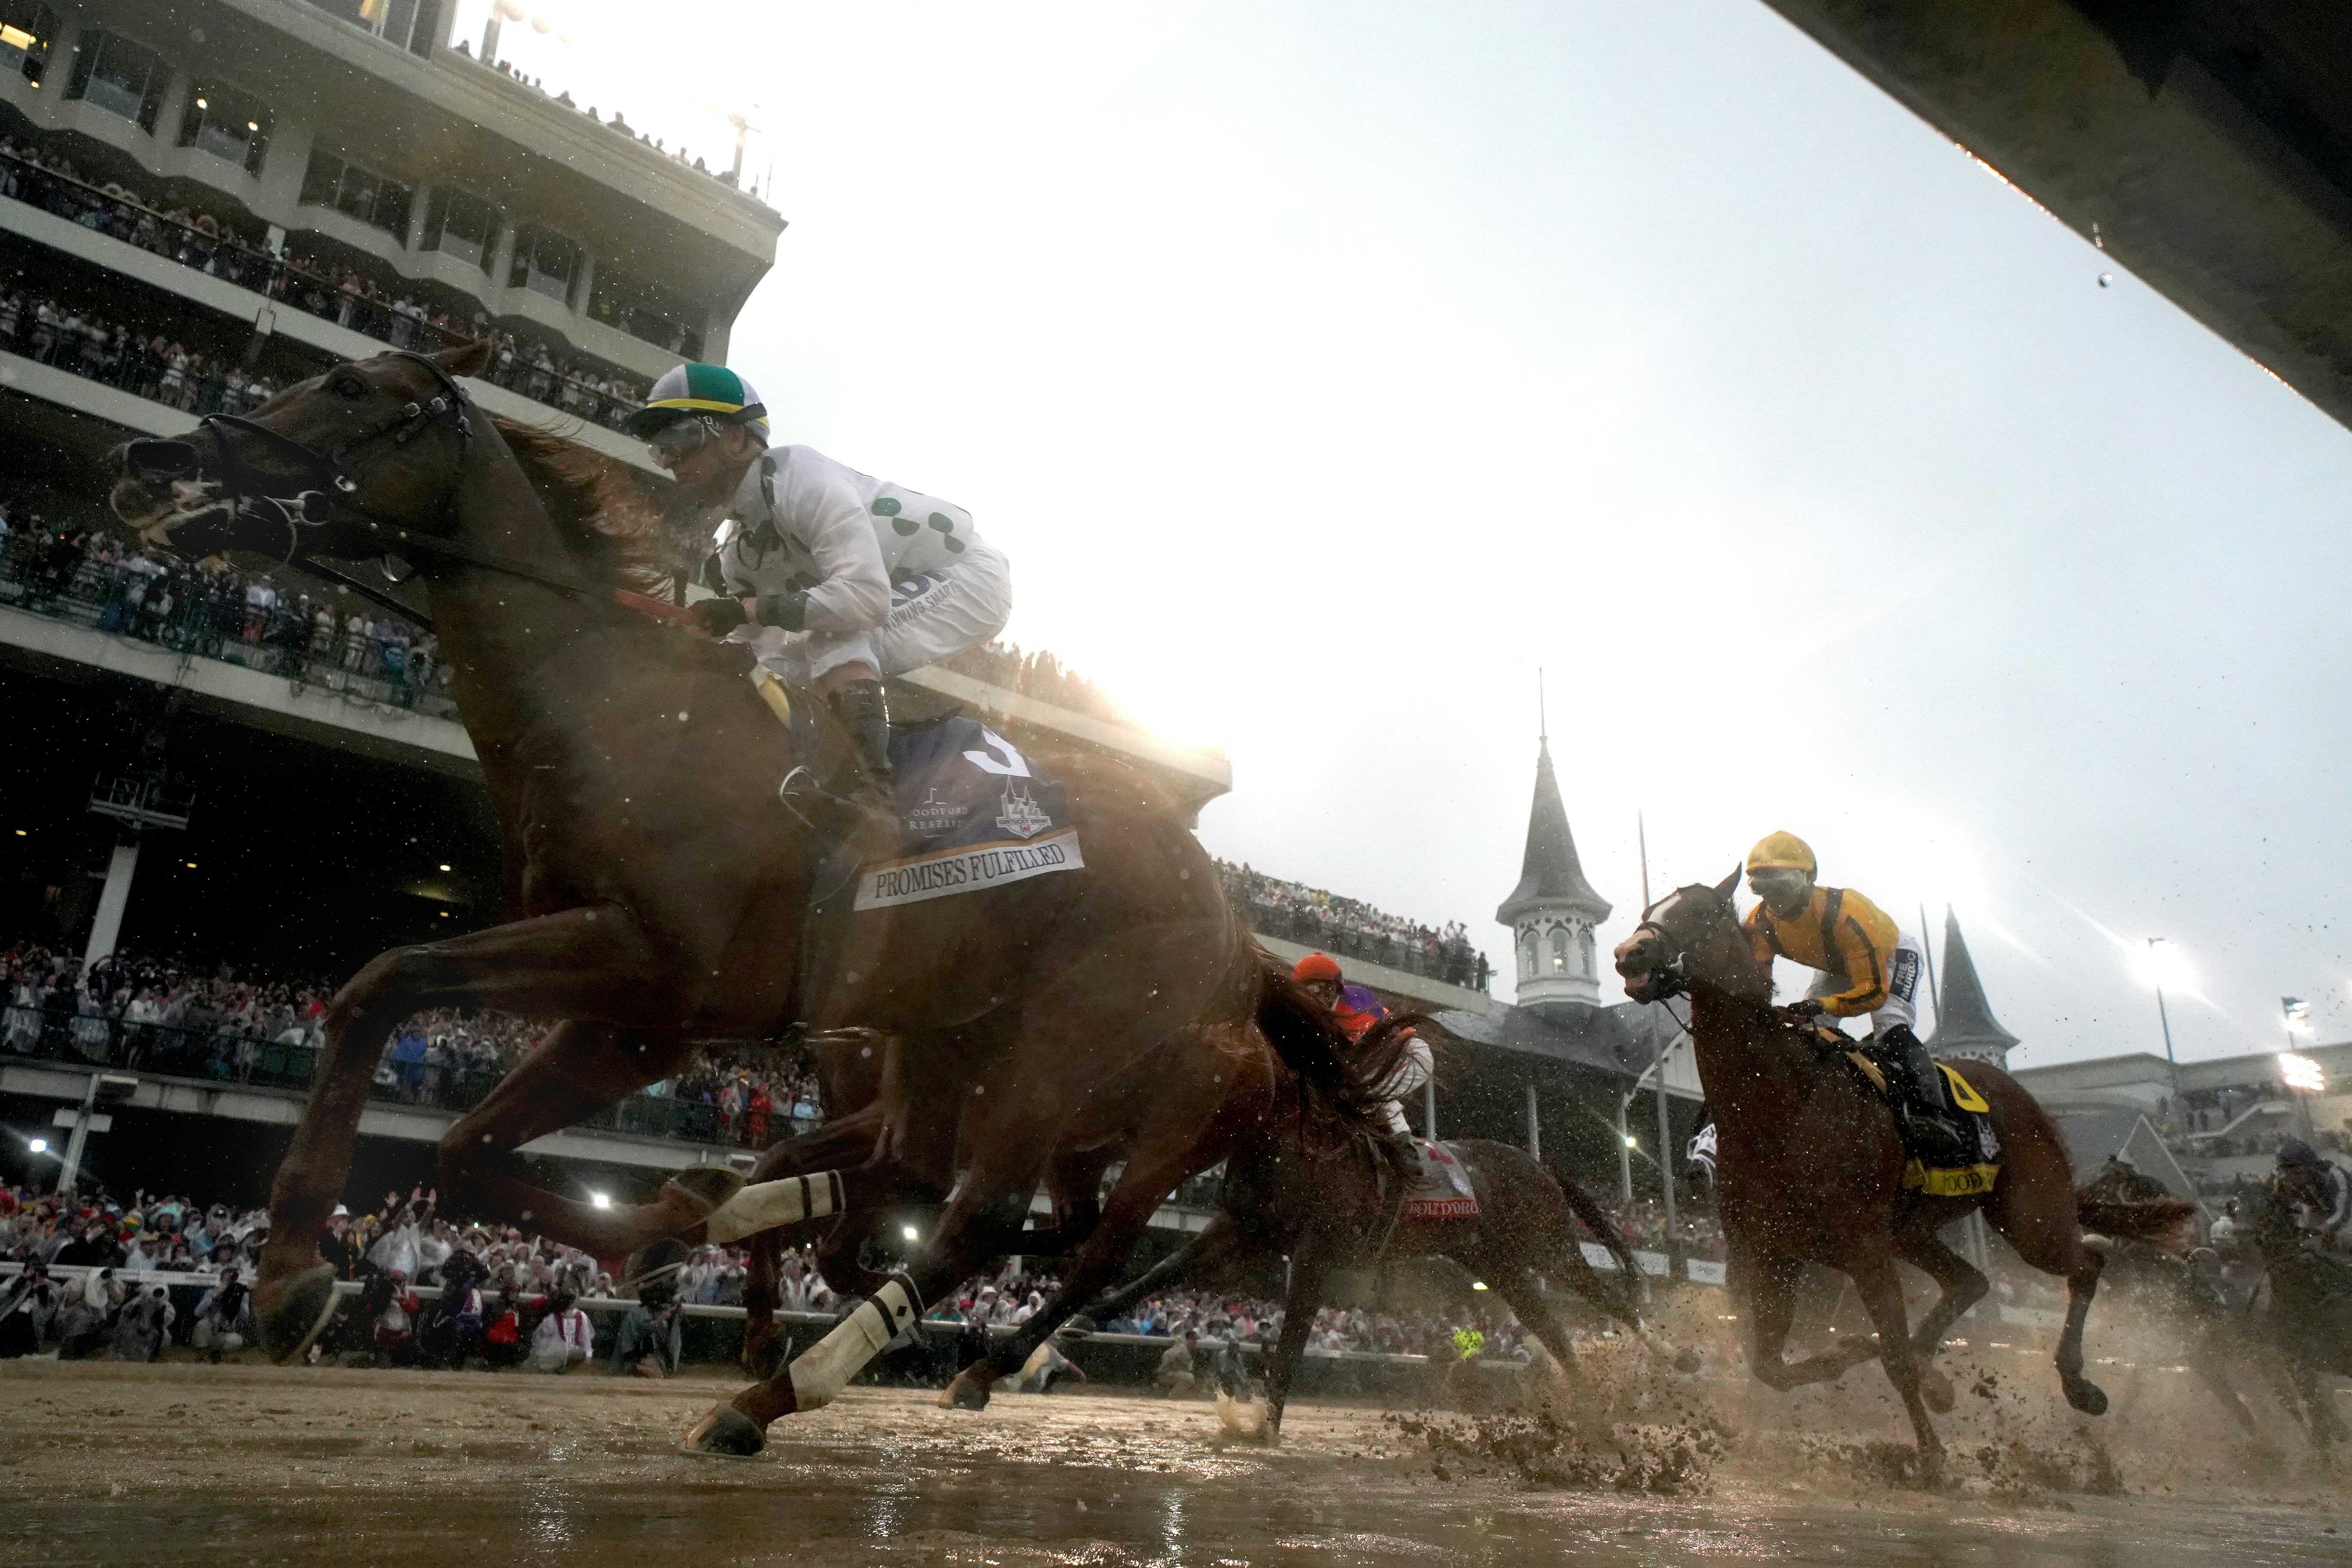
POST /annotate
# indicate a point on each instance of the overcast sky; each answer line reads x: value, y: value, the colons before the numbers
x: 1325, y: 370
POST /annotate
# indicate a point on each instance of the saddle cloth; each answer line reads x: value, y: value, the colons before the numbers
x: 975, y: 813
x: 1974, y: 1115
x: 1441, y: 1190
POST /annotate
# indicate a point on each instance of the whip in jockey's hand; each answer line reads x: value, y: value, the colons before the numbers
x: 835, y: 579
x: 1868, y: 966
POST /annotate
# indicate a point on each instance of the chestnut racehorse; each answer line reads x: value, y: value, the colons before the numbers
x: 660, y: 895
x: 1809, y: 1170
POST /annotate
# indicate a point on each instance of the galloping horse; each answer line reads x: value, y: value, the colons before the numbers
x: 1811, y: 1167
x: 659, y: 893
x: 2305, y: 1314
x: 1305, y: 1187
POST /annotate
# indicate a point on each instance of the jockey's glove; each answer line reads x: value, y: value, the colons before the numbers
x: 1809, y: 1008
x: 719, y: 616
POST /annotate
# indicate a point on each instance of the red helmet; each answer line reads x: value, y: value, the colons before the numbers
x: 1316, y: 966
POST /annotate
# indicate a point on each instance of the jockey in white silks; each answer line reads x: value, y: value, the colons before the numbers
x: 1357, y: 1010
x: 834, y: 578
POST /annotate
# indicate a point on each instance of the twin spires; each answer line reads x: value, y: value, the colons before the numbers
x: 1964, y: 1026
x: 1553, y: 911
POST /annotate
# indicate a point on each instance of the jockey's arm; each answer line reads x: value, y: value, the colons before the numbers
x: 817, y: 502
x: 1865, y: 941
x: 1413, y: 1070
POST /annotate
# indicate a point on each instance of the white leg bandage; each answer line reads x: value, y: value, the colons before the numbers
x: 825, y: 1368
x: 767, y: 1205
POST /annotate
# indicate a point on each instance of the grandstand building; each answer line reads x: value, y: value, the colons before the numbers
x: 201, y: 201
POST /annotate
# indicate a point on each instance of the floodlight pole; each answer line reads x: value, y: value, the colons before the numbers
x: 2171, y: 1062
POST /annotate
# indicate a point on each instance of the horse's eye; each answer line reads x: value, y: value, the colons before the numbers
x: 351, y: 386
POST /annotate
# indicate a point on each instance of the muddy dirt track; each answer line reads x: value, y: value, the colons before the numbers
x: 186, y: 1463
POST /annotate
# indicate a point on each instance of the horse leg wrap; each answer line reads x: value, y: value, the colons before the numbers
x: 767, y: 1205
x: 823, y: 1369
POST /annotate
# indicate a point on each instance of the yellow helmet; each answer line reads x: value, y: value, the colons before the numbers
x: 1782, y: 852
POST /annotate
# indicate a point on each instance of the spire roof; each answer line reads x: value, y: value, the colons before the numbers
x: 1966, y: 1016
x: 1551, y: 874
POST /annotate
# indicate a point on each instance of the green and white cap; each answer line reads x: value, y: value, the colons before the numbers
x: 690, y: 389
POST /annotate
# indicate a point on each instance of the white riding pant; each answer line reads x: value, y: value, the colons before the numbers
x: 1905, y: 967
x: 932, y: 616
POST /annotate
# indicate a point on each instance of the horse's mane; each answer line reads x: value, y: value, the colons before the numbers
x: 610, y: 515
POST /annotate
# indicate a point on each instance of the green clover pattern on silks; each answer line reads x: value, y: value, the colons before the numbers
x: 890, y: 506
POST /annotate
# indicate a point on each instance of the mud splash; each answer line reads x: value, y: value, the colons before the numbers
x: 1541, y: 1450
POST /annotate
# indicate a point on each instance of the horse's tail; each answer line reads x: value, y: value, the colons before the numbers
x: 1344, y: 1075
x: 2166, y: 1223
x: 1597, y: 1221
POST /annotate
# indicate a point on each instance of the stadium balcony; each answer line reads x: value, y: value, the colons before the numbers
x: 54, y: 1055
x: 264, y: 293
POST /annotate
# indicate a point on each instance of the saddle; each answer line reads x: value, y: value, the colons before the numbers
x: 973, y: 814
x: 1972, y: 1111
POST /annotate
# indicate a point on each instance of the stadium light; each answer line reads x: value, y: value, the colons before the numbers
x: 1632, y: 1141
x: 599, y: 1200
x: 1477, y: 1284
x: 444, y: 864
x: 39, y: 1145
x: 2301, y: 1074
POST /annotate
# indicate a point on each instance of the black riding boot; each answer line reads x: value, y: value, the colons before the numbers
x: 1930, y: 1131
x: 851, y: 801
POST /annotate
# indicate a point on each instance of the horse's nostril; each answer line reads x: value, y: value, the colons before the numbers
x: 160, y: 460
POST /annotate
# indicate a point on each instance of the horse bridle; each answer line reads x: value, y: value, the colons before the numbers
x: 252, y: 491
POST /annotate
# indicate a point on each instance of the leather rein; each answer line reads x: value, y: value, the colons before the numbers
x: 253, y: 493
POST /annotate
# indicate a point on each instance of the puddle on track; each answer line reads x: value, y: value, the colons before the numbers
x: 184, y: 1463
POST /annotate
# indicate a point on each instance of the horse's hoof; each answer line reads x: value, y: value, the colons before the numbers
x: 966, y: 1393
x: 2086, y: 1395
x: 1931, y: 1469
x: 294, y: 1311
x: 726, y: 1432
x: 1936, y: 1390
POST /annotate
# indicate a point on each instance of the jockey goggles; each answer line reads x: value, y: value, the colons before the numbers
x: 679, y: 440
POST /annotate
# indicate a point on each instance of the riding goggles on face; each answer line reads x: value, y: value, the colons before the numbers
x: 680, y: 437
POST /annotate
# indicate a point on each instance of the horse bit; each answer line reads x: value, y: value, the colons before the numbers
x: 249, y: 490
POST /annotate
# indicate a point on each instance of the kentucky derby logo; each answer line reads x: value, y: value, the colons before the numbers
x: 1021, y: 817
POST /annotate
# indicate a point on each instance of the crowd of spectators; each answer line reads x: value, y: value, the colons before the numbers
x: 137, y: 357
x: 136, y: 1011
x: 1348, y: 928
x: 153, y: 364
x: 618, y: 124
x: 214, y: 611
x: 504, y: 1298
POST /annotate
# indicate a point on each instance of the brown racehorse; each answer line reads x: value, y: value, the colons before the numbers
x: 1809, y: 1170
x: 1297, y: 1190
x: 660, y: 894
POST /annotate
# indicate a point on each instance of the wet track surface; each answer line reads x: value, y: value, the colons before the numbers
x: 184, y: 1463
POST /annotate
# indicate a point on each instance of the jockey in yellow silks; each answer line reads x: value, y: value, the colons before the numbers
x: 1867, y: 966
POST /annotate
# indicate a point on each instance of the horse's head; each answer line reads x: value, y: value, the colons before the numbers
x: 327, y: 467
x: 1691, y: 934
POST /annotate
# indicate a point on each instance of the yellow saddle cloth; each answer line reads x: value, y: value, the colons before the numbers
x: 1948, y: 1181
